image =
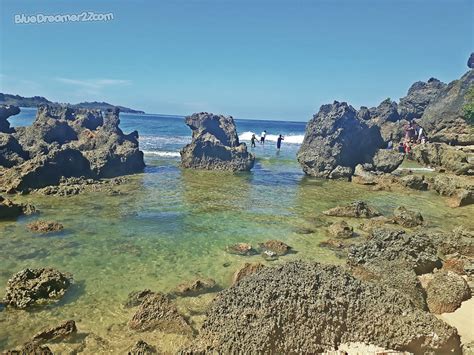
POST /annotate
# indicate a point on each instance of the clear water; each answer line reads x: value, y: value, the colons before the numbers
x: 172, y: 225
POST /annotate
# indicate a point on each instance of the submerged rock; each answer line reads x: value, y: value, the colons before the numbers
x: 45, y: 226
x: 31, y: 348
x: 157, y: 312
x: 215, y: 144
x: 417, y: 250
x: 135, y: 298
x: 36, y: 286
x: 407, y: 218
x: 142, y: 348
x: 336, y: 141
x: 246, y: 270
x: 60, y: 332
x: 357, y: 209
x: 341, y: 230
x: 446, y: 291
x: 195, y: 287
x: 64, y: 142
x: 310, y: 308
x: 419, y: 96
x: 10, y: 209
x: 241, y: 249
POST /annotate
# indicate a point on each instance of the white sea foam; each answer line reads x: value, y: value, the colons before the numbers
x: 161, y: 154
x: 288, y: 138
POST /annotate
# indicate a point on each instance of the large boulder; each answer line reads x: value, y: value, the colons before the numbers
x: 443, y: 118
x: 36, y: 286
x: 5, y: 112
x: 419, y: 96
x: 387, y: 160
x: 387, y: 110
x: 303, y: 307
x: 459, y: 189
x: 443, y: 156
x: 356, y: 209
x: 215, y: 144
x: 65, y: 142
x: 336, y: 140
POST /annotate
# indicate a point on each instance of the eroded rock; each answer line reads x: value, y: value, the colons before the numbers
x: 142, y: 348
x: 407, y: 218
x: 241, y: 249
x: 446, y: 291
x: 275, y: 246
x: 45, y: 226
x: 310, y: 308
x: 246, y: 270
x: 215, y: 145
x: 195, y: 287
x: 36, y: 286
x: 60, y: 332
x: 341, y: 230
x: 10, y: 209
x: 357, y: 209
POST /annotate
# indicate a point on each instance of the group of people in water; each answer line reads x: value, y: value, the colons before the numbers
x: 263, y: 136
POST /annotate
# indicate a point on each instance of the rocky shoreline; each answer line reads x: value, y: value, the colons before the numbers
x: 397, y: 277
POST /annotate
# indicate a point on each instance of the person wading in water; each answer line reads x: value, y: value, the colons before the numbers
x: 280, y: 138
x: 262, y: 137
x: 253, y: 140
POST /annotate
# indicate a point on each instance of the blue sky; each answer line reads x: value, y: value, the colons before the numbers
x: 268, y: 59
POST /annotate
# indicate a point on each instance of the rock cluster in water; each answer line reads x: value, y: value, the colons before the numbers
x: 64, y: 142
x: 215, y: 144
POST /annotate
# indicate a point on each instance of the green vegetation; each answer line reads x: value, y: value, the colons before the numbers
x: 468, y: 109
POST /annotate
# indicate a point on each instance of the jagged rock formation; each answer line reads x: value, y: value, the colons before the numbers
x: 36, y: 286
x: 419, y: 96
x: 310, y: 308
x: 10, y: 209
x: 443, y: 118
x: 215, y: 144
x: 336, y: 140
x: 64, y: 142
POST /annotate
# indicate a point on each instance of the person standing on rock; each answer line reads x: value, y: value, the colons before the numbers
x: 253, y: 140
x: 262, y: 137
x: 280, y: 138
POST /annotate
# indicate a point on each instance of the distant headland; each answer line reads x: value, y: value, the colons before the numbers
x: 17, y: 100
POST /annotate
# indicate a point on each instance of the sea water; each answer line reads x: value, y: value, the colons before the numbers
x: 171, y: 225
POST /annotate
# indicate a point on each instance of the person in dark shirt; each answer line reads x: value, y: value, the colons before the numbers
x: 280, y: 138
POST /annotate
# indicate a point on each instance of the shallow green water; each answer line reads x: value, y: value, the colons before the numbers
x: 170, y: 226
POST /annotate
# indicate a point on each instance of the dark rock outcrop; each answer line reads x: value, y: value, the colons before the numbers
x: 446, y: 291
x: 158, y: 312
x: 10, y: 209
x: 387, y: 110
x: 357, y: 209
x: 215, y: 144
x: 443, y: 119
x: 31, y: 348
x: 336, y: 140
x: 5, y: 112
x: 419, y: 96
x: 64, y: 142
x: 36, y: 286
x: 310, y: 308
x: 417, y: 250
x: 135, y: 298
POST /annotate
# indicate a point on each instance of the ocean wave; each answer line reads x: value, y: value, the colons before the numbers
x: 288, y: 138
x: 161, y: 153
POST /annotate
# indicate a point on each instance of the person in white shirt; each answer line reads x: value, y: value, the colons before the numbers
x: 262, y: 137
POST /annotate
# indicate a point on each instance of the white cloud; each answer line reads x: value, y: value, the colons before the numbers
x: 94, y: 85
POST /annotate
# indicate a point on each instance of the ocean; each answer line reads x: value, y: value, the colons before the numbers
x: 170, y: 225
